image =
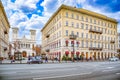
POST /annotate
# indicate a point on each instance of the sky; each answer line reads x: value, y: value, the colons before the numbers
x: 33, y: 14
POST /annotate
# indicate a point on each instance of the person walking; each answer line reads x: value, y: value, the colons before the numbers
x: 46, y: 59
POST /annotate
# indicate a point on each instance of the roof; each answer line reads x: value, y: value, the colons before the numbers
x: 81, y: 10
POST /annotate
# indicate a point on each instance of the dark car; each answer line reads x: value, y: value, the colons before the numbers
x: 35, y: 60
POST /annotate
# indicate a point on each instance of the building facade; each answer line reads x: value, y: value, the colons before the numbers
x: 75, y: 32
x: 23, y: 45
x: 119, y: 43
x: 4, y: 30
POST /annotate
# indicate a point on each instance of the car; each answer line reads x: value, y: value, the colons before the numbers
x: 113, y: 59
x: 35, y: 60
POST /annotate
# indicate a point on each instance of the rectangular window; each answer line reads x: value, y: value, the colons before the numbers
x: 86, y: 19
x: 90, y: 20
x: 77, y: 25
x: 82, y: 18
x: 94, y: 21
x: 72, y: 33
x: 77, y: 17
x: 82, y: 43
x: 86, y: 35
x: 77, y: 34
x: 67, y: 14
x: 87, y: 44
x: 90, y: 36
x: 72, y: 15
x: 86, y: 26
x: 66, y: 23
x: 90, y: 26
x: 82, y: 35
x: 82, y: 25
x: 72, y: 24
x: 66, y: 32
x: 95, y: 28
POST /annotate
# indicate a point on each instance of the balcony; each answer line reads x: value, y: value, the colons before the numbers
x: 95, y: 31
x: 112, y: 41
x: 5, y: 48
x: 95, y: 48
x: 47, y: 50
x: 72, y: 36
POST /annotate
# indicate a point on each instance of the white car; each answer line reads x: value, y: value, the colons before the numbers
x: 113, y: 59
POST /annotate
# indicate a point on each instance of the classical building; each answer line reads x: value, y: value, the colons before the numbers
x: 78, y: 32
x: 4, y: 30
x: 23, y: 45
x: 119, y: 43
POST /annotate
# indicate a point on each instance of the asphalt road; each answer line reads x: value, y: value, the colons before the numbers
x: 61, y: 71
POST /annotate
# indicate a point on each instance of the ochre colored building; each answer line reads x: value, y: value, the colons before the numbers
x: 4, y: 30
x: 79, y: 32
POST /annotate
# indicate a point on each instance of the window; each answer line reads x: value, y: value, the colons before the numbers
x: 86, y: 35
x: 90, y: 26
x: 86, y: 19
x: 77, y: 17
x: 72, y: 24
x: 66, y: 23
x: 94, y: 36
x: 82, y: 25
x: 82, y: 18
x: 90, y: 20
x: 95, y: 28
x: 98, y: 28
x: 82, y: 43
x: 94, y: 21
x: 90, y: 43
x: 72, y: 32
x: 90, y: 36
x: 72, y: 15
x: 67, y: 14
x: 87, y: 44
x: 82, y: 35
x: 66, y: 32
x: 77, y: 25
x: 77, y: 34
x: 86, y: 26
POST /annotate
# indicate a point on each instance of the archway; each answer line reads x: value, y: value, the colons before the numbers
x: 91, y: 56
x: 105, y: 55
x: 24, y: 54
x: 108, y: 55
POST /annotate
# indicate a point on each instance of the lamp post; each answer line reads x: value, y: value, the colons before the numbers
x: 73, y: 37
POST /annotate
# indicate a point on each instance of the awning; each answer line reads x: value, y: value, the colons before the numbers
x: 72, y: 42
x: 66, y: 41
x: 78, y: 42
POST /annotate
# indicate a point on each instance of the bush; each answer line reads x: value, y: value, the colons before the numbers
x: 64, y: 58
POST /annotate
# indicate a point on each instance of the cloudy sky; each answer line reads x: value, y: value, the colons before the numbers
x: 33, y: 14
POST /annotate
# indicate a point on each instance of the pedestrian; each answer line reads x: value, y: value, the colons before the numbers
x: 52, y: 59
x: 46, y: 59
x: 12, y: 60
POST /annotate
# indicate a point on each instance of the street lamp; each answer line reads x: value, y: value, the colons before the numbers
x: 73, y: 37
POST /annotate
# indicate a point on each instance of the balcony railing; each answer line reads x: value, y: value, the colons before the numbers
x: 72, y: 36
x: 112, y: 41
x: 95, y: 48
x: 95, y: 31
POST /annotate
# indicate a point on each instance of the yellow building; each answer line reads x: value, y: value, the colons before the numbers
x: 78, y: 32
x: 4, y: 30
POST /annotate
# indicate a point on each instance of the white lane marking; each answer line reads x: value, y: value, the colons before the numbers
x: 110, y: 67
x: 62, y: 76
x: 109, y: 70
x: 118, y: 73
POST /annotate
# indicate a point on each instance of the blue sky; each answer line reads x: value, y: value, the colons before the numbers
x: 33, y: 14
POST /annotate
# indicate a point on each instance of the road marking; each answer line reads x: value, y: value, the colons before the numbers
x: 110, y: 67
x: 118, y: 73
x: 62, y: 76
x: 109, y: 70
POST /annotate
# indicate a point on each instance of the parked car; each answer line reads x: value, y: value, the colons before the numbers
x: 113, y: 59
x: 35, y: 60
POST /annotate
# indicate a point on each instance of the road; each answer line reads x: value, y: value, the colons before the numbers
x: 61, y: 71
